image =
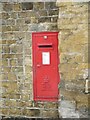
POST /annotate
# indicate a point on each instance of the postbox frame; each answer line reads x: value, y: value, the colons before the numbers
x: 34, y: 68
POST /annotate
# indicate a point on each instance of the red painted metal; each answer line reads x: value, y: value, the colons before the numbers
x: 45, y: 66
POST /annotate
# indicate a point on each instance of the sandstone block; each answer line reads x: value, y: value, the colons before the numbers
x: 28, y: 52
x: 82, y: 98
x: 5, y: 62
x: 72, y: 75
x: 7, y: 7
x: 76, y: 85
x: 31, y: 112
x: 5, y: 84
x: 68, y: 95
x: 9, y: 42
x: 14, y: 15
x: 24, y: 28
x: 15, y: 111
x: 20, y: 69
x: 66, y: 58
x: 3, y: 41
x: 50, y: 5
x: 54, y: 19
x: 12, y: 76
x: 0, y: 16
x: 46, y: 105
x: 5, y: 49
x: 25, y: 104
x: 67, y: 67
x: 27, y: 6
x: 63, y: 4
x: 16, y: 95
x: 82, y: 104
x: 15, y: 28
x: 19, y: 56
x: 20, y: 22
x: 71, y: 26
x: 6, y: 69
x: 1, y: 63
x: 32, y: 14
x: 20, y: 62
x: 28, y: 68
x: 28, y: 37
x: 10, y: 22
x: 53, y: 12
x: 5, y: 111
x: 22, y: 14
x: 8, y: 36
x: 1, y: 7
x: 42, y: 12
x: 3, y: 77
x: 13, y: 62
x: 34, y: 20
x: 25, y: 97
x: 12, y: 87
x: 17, y: 69
x: 50, y: 114
x: 27, y: 61
x: 38, y: 5
x: 13, y: 48
x: 17, y: 7
x: 44, y: 19
x: 28, y: 20
x: 8, y: 56
x: 22, y: 103
x: 11, y: 103
x: 19, y: 36
x: 5, y: 16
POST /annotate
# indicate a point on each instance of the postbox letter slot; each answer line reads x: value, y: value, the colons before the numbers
x: 45, y: 46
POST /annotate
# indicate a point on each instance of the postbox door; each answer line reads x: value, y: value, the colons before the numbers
x: 45, y: 68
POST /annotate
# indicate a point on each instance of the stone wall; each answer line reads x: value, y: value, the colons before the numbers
x: 19, y: 20
x: 74, y: 43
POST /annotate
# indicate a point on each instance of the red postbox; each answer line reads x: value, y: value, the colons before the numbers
x: 45, y: 66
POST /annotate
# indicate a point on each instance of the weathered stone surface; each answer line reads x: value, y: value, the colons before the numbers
x: 73, y: 47
x: 53, y: 12
x: 7, y: 7
x: 42, y: 12
x: 5, y: 62
x: 15, y: 28
x: 14, y: 15
x: 27, y: 6
x: 17, y: 7
x: 5, y: 15
x: 67, y: 109
x: 6, y: 28
x: 10, y: 22
x: 31, y: 112
x: 32, y: 14
x: 5, y: 49
x: 38, y: 5
x: 9, y: 36
x: 19, y: 20
x: 44, y: 19
x: 50, y: 5
x: 46, y: 105
x: 22, y: 14
x: 50, y: 114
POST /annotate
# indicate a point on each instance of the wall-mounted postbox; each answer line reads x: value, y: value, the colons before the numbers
x: 45, y: 66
